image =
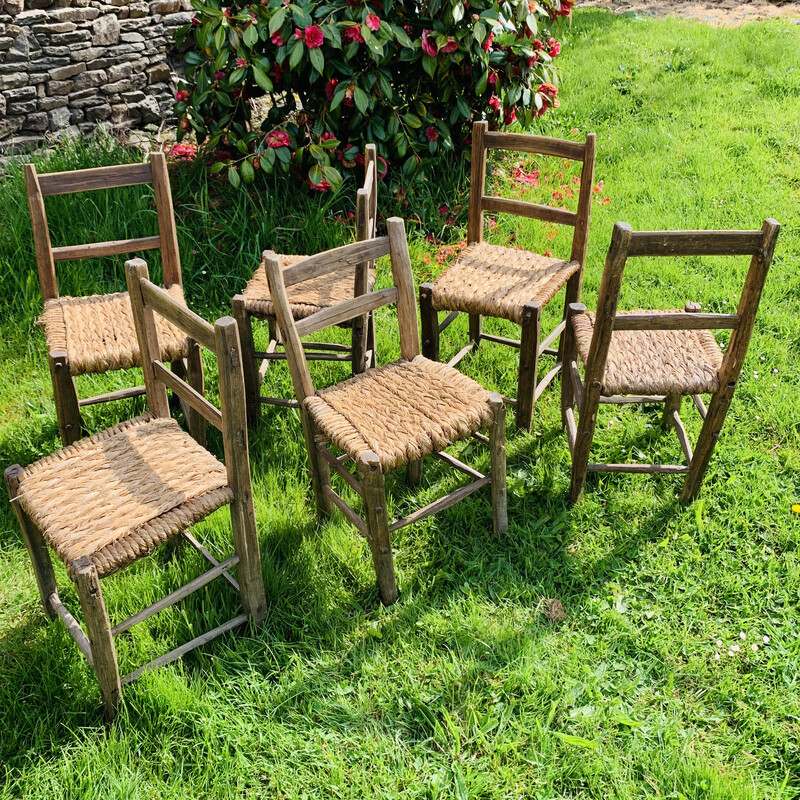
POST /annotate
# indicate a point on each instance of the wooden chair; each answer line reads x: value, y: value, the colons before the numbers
x: 659, y: 356
x: 112, y: 498
x: 307, y: 298
x: 95, y: 334
x: 503, y: 282
x: 388, y: 416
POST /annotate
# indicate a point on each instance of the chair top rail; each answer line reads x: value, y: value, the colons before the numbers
x: 679, y: 321
x: 96, y: 249
x: 190, y: 323
x: 84, y: 180
x: 528, y: 143
x: 346, y: 310
x: 522, y: 208
x: 695, y: 243
x: 346, y: 256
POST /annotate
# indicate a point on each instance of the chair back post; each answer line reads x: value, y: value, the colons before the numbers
x: 170, y: 256
x: 298, y: 366
x: 45, y: 264
x: 145, y: 324
x: 406, y: 294
x: 477, y: 184
x: 580, y: 236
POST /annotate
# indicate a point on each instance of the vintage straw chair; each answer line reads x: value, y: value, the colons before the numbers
x: 659, y: 356
x: 95, y: 334
x: 503, y: 282
x: 114, y: 497
x: 306, y: 299
x: 390, y: 415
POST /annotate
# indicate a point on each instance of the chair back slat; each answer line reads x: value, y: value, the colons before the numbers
x: 347, y: 310
x: 96, y: 249
x: 188, y: 394
x: 87, y: 180
x: 541, y: 145
x: 695, y: 243
x: 675, y: 322
x: 522, y: 208
x: 179, y: 315
x: 323, y: 263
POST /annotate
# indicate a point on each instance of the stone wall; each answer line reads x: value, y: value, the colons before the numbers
x: 67, y: 66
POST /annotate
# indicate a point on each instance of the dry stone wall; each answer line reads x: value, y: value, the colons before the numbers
x: 67, y: 66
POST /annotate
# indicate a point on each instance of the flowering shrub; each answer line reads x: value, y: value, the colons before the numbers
x: 340, y: 73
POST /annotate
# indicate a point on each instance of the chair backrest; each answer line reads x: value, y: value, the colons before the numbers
x: 222, y: 339
x: 625, y: 243
x: 484, y: 140
x: 84, y: 180
x: 401, y: 292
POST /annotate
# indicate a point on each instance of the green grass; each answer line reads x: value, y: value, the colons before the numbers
x: 464, y: 689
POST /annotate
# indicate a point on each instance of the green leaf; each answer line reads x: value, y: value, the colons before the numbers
x: 237, y: 75
x: 412, y: 120
x: 577, y: 741
x: 283, y: 154
x: 233, y: 177
x: 268, y: 159
x: 479, y: 32
x: 276, y: 20
x: 317, y: 153
x: 333, y: 176
x: 480, y: 87
x: 458, y: 12
x: 250, y: 35
x: 317, y: 59
x: 248, y: 173
x: 330, y: 144
x: 315, y: 174
x: 338, y: 96
x: 262, y: 79
x: 386, y: 86
x: 429, y: 64
x: 301, y: 17
x: 361, y: 99
x: 215, y: 168
x: 193, y: 58
x: 295, y: 54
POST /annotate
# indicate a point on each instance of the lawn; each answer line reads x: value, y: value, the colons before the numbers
x: 464, y: 688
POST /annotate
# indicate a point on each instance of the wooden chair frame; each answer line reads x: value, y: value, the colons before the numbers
x: 361, y: 350
x: 530, y: 344
x: 587, y: 395
x: 97, y: 644
x: 370, y: 483
x: 38, y: 187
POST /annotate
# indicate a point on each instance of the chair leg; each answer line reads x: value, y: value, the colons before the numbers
x: 430, y: 322
x: 583, y: 442
x: 34, y: 542
x: 569, y: 353
x: 572, y: 295
x: 195, y: 378
x: 249, y: 367
x: 358, y: 344
x: 497, y: 447
x: 414, y: 472
x: 318, y: 467
x: 528, y: 363
x: 671, y: 403
x: 475, y: 328
x: 104, y: 654
x: 371, y: 344
x: 371, y: 478
x: 248, y: 571
x: 70, y: 423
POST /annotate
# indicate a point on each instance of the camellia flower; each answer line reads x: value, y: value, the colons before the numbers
x: 451, y: 46
x: 494, y: 103
x: 278, y: 139
x: 182, y: 95
x: 353, y: 33
x: 348, y: 95
x: 553, y: 47
x: 240, y: 62
x: 373, y: 22
x: 487, y: 45
x: 428, y: 45
x: 431, y: 134
x: 330, y: 88
x: 298, y: 34
x: 510, y: 116
x: 218, y: 76
x: 549, y: 91
x: 276, y: 39
x: 314, y: 37
x: 322, y: 186
x: 327, y: 135
x: 532, y: 60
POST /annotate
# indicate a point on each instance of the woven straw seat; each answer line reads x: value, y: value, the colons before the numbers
x: 115, y: 496
x: 498, y: 281
x: 401, y: 411
x: 305, y: 298
x: 654, y: 362
x: 97, y: 332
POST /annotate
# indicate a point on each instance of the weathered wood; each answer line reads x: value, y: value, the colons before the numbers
x: 528, y: 363
x: 237, y: 465
x: 546, y: 381
x: 695, y: 243
x: 501, y: 340
x: 346, y: 256
x: 414, y: 472
x: 110, y: 397
x: 551, y: 337
x: 196, y: 380
x: 497, y: 450
x: 527, y: 143
x: 569, y: 354
x: 73, y: 627
x: 404, y: 282
x: 481, y: 437
x: 680, y: 432
x: 522, y: 208
x: 251, y: 375
x: 85, y: 180
x: 144, y: 322
x: 475, y: 328
x: 286, y: 402
x: 679, y: 321
x: 572, y: 429
x: 660, y: 469
x: 181, y: 651
x: 179, y: 315
x: 628, y: 399
x: 310, y: 356
x: 70, y: 423
x: 699, y: 405
x: 170, y: 256
x: 75, y: 252
x: 346, y: 310
x: 580, y: 238
x: 208, y: 557
x: 577, y: 384
x: 98, y: 627
x: 459, y: 356
x: 672, y: 403
x: 192, y: 397
x: 441, y: 504
x: 456, y: 464
x: 429, y: 319
x: 175, y: 597
x: 351, y: 515
x: 365, y: 229
x: 34, y: 541
x: 374, y: 493
x: 41, y: 235
x: 449, y: 319
x: 337, y: 465
x: 477, y: 182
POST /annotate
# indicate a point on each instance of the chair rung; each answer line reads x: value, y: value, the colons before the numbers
x: 73, y: 627
x: 175, y: 654
x: 347, y: 511
x: 501, y: 340
x: 208, y: 557
x: 663, y: 469
x: 441, y: 504
x: 546, y: 381
x: 340, y: 469
x: 448, y: 320
x: 279, y: 401
x: 553, y: 335
x: 621, y: 399
x: 119, y: 394
x: 460, y: 465
x: 460, y: 354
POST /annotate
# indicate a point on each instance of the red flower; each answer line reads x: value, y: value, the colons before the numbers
x: 314, y: 37
x: 298, y: 34
x: 182, y: 95
x: 276, y: 39
x: 276, y: 73
x: 488, y: 43
x: 492, y: 78
x: 227, y: 13
x: 196, y: 21
x: 278, y: 139
x: 494, y: 103
x: 431, y: 134
x: 549, y: 91
x: 353, y: 33
x: 538, y: 45
x: 451, y: 46
x: 327, y: 135
x: 330, y: 88
x: 348, y: 95
x: 382, y: 174
x: 509, y: 116
x: 218, y: 76
x: 428, y: 45
x: 322, y: 186
x: 240, y: 62
x: 532, y: 60
x: 373, y: 22
x: 553, y: 47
